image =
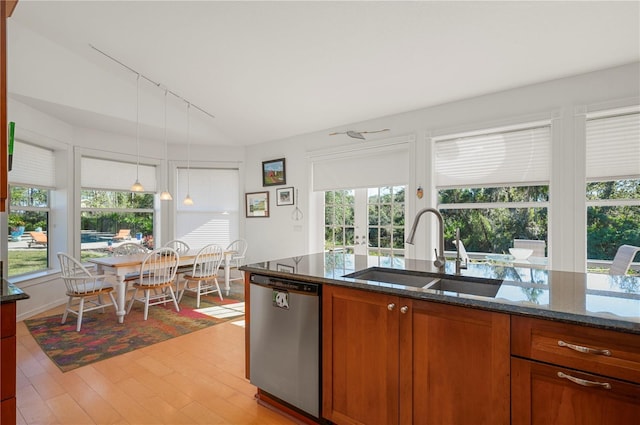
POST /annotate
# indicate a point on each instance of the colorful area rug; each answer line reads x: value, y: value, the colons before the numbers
x: 102, y: 337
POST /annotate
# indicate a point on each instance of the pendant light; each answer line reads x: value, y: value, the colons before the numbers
x: 165, y: 195
x: 137, y: 187
x: 187, y: 199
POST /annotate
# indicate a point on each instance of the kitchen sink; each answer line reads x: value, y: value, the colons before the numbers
x: 483, y: 289
x: 433, y: 281
x: 400, y: 277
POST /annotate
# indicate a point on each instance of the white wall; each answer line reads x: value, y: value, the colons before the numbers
x: 278, y: 236
x: 33, y: 126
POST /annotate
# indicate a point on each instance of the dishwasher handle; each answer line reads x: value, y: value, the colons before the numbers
x: 305, y: 288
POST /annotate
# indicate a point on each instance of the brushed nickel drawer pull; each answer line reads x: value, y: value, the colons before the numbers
x: 586, y: 350
x: 391, y: 306
x: 584, y: 382
x: 404, y: 309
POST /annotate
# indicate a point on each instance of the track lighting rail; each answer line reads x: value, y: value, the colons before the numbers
x: 150, y: 80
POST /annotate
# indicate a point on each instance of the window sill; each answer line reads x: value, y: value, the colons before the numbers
x: 36, y: 278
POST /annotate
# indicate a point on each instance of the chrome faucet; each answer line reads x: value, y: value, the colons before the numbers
x: 440, y: 260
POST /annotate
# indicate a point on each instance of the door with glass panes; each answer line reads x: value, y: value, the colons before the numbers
x: 366, y: 221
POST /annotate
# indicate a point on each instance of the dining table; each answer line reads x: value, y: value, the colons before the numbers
x: 123, y: 265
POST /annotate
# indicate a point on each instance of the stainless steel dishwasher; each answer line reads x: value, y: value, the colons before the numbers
x: 285, y: 340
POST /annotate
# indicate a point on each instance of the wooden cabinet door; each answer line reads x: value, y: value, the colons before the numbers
x: 541, y: 396
x: 459, y: 365
x: 360, y: 357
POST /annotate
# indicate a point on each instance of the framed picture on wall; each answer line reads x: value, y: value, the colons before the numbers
x: 274, y: 172
x: 257, y: 204
x: 284, y: 196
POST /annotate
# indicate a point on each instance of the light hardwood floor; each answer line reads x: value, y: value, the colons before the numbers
x: 193, y: 379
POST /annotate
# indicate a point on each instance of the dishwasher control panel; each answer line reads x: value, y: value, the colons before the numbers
x: 306, y: 288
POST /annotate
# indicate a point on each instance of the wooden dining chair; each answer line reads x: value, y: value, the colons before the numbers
x: 129, y: 248
x: 203, y: 277
x: 84, y: 289
x: 239, y: 248
x: 156, y: 278
x: 179, y: 245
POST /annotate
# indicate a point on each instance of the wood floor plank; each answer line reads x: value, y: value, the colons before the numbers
x: 201, y: 415
x: 67, y: 411
x: 32, y: 407
x: 196, y: 378
x: 46, y: 387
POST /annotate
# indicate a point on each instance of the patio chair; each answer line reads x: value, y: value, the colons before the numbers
x: 623, y: 259
x: 37, y: 239
x: 203, y: 277
x: 83, y: 287
x: 537, y: 246
x: 157, y: 275
x: 464, y: 256
x: 123, y: 234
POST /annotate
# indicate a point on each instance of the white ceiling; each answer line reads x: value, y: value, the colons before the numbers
x: 272, y: 70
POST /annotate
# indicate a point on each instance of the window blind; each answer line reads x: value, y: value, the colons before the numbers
x: 362, y: 168
x: 214, y: 215
x: 32, y: 166
x: 518, y: 157
x: 105, y: 174
x: 613, y: 147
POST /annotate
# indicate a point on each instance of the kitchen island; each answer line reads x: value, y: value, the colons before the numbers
x: 397, y: 353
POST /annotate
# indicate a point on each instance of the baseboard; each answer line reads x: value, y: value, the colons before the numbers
x: 39, y: 309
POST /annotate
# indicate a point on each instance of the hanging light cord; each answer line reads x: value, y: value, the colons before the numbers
x: 165, y: 123
x: 165, y: 195
x: 188, y: 151
x: 138, y: 128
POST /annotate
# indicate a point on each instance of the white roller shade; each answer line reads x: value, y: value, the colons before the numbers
x: 32, y: 166
x: 212, y: 189
x: 114, y: 175
x: 613, y: 147
x: 517, y: 158
x: 214, y: 215
x: 362, y: 168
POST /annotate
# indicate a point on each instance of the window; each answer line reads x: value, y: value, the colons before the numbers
x: 494, y: 186
x: 28, y: 213
x: 364, y: 196
x: 339, y: 220
x: 613, y: 184
x: 214, y: 215
x: 365, y: 221
x: 105, y: 213
x: 386, y: 221
x: 31, y: 181
x: 107, y: 205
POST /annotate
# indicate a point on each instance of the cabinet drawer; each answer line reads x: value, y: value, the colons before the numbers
x: 546, y: 394
x: 604, y: 352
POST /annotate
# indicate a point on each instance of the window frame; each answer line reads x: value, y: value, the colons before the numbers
x: 603, y: 114
x: 493, y: 131
x: 23, y: 208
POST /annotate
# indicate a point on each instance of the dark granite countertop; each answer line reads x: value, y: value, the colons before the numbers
x: 11, y: 293
x: 599, y: 300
